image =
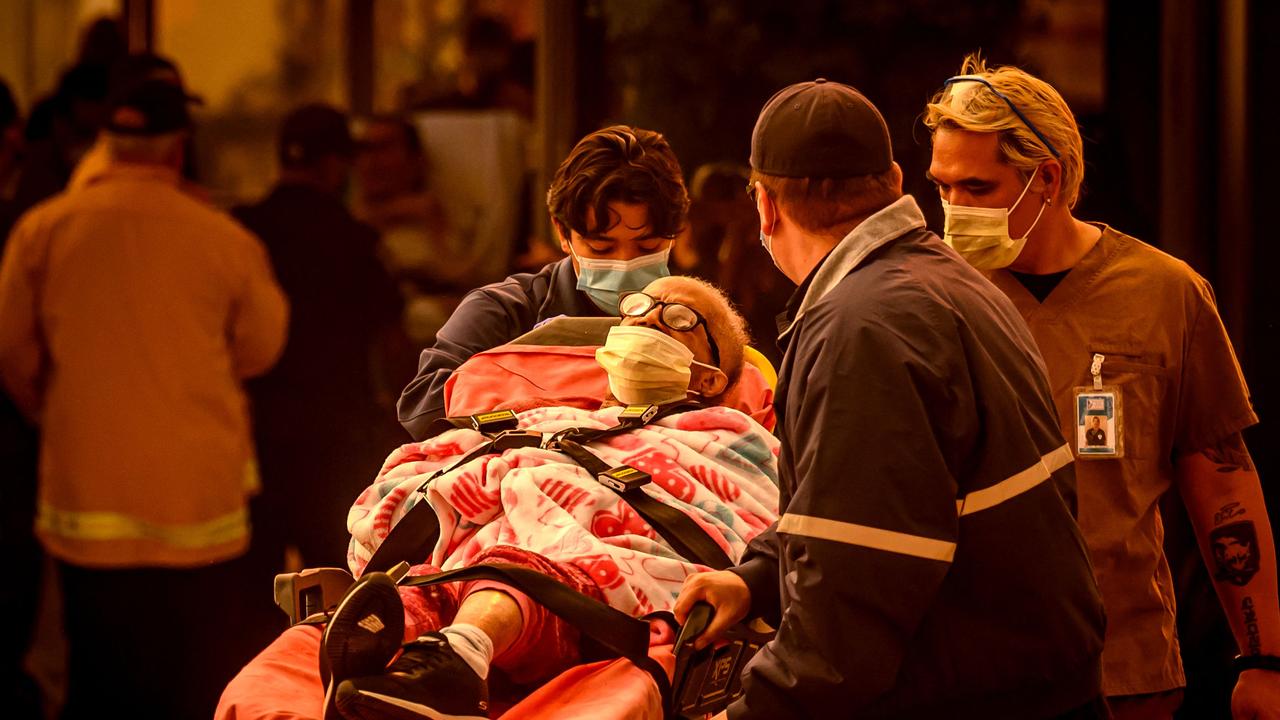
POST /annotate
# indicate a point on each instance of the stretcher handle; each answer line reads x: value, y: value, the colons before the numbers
x: 700, y: 616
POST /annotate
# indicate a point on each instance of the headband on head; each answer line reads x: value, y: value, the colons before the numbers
x: 1030, y: 125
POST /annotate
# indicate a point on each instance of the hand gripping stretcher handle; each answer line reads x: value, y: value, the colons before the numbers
x: 707, y: 680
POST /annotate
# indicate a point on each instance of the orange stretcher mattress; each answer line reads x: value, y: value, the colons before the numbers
x: 283, y: 683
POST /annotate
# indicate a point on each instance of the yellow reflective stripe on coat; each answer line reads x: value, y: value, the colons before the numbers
x: 865, y: 536
x: 1016, y: 484
x: 98, y: 525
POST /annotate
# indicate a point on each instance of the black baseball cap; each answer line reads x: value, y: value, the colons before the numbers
x: 137, y: 68
x: 820, y: 129
x: 149, y: 107
x: 314, y: 131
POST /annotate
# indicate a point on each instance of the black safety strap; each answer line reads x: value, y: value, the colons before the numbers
x: 414, y: 537
x: 678, y: 529
x: 632, y: 417
x: 608, y: 632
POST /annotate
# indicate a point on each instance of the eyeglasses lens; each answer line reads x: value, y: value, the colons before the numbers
x: 679, y: 317
x: 635, y: 304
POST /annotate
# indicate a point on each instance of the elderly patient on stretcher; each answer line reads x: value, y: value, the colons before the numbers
x: 539, y: 508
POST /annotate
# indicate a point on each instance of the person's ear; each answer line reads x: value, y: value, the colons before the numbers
x: 896, y: 169
x: 1050, y: 177
x: 564, y: 234
x: 708, y: 381
x: 767, y: 210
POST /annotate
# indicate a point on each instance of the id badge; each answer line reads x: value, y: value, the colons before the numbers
x: 1099, y: 428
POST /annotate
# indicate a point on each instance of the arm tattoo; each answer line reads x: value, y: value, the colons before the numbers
x: 1251, y: 627
x: 1229, y: 454
x: 1226, y: 512
x: 1235, y: 552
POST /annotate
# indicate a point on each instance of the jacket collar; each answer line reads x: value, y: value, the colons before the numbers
x: 871, y: 234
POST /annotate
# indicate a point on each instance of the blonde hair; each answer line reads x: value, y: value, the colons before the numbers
x: 974, y: 107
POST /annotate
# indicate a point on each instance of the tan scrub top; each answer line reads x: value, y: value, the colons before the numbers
x: 1155, y: 321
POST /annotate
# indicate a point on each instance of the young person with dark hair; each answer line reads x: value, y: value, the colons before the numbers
x: 616, y: 202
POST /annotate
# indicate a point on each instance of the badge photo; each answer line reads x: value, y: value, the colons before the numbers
x: 1098, y: 423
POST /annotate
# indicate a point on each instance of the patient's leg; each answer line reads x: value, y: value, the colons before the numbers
x: 487, y: 624
x: 495, y: 612
x: 445, y: 672
x: 540, y: 645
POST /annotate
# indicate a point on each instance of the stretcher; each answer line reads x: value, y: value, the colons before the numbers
x: 668, y: 679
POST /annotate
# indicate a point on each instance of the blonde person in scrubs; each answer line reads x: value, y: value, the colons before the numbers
x: 1131, y: 332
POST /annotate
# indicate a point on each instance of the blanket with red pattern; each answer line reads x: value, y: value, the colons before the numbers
x: 716, y: 465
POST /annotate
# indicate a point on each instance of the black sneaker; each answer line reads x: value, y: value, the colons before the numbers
x: 363, y: 634
x: 428, y: 680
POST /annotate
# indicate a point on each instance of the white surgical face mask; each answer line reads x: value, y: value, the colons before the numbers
x: 645, y: 366
x: 981, y: 235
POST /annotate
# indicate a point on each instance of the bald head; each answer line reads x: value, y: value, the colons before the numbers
x: 724, y: 326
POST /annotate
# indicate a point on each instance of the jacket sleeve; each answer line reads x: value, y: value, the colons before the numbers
x: 870, y: 531
x: 486, y: 318
x: 759, y: 570
x: 22, y: 352
x: 259, y: 313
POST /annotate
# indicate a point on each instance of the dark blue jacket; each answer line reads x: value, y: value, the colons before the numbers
x: 926, y: 563
x: 486, y: 318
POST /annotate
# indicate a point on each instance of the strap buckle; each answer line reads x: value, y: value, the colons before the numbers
x: 552, y: 441
x: 494, y: 422
x: 512, y: 439
x: 623, y: 478
x: 638, y: 414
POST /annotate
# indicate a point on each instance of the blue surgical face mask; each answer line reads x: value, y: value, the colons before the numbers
x: 767, y: 242
x: 604, y: 280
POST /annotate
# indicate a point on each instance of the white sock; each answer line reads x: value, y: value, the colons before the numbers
x: 473, y: 645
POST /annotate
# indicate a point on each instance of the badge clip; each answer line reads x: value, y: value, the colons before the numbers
x: 512, y: 439
x: 1098, y: 430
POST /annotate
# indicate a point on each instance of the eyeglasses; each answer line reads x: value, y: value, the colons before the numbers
x: 1030, y: 126
x: 674, y: 316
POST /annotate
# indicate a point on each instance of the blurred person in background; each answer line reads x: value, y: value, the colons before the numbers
x: 130, y: 313
x: 496, y: 73
x: 343, y: 307
x: 722, y: 245
x: 125, y: 72
x: 60, y: 131
x: 432, y: 264
x: 11, y: 149
x: 617, y: 202
x: 20, y: 594
x: 1110, y: 311
x: 62, y: 127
